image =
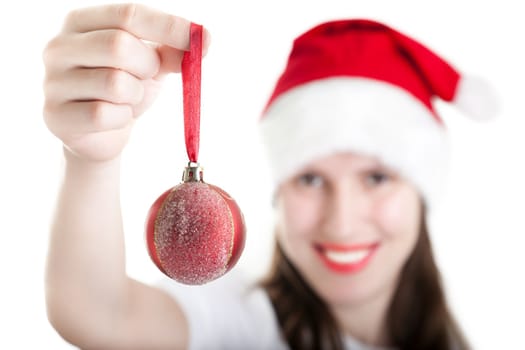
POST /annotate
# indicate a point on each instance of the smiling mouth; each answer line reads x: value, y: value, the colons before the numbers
x: 346, y: 259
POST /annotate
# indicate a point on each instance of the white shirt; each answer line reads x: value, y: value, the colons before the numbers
x: 230, y: 313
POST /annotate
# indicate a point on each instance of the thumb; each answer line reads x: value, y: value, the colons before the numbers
x: 171, y: 58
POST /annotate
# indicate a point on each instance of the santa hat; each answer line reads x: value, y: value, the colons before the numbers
x: 361, y: 86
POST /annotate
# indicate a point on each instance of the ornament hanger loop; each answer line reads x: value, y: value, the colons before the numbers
x: 191, y: 84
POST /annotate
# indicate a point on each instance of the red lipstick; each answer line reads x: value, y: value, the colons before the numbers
x: 346, y: 258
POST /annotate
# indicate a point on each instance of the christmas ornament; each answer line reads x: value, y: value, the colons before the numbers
x: 195, y: 231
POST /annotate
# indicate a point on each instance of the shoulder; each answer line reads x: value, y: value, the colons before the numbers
x: 232, y: 312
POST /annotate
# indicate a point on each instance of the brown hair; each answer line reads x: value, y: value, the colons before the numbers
x: 418, y: 317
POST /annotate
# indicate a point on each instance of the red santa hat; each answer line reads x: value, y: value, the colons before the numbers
x: 361, y: 86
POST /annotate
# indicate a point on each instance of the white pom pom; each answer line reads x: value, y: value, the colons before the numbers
x: 477, y: 98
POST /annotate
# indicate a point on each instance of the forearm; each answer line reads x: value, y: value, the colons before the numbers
x: 85, y: 278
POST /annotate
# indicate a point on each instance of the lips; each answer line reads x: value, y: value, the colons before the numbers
x: 346, y: 258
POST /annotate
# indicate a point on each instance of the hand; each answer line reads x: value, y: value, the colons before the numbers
x: 104, y: 69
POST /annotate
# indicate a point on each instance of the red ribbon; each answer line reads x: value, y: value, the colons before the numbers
x: 191, y: 86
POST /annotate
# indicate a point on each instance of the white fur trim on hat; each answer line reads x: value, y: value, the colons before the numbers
x: 358, y: 115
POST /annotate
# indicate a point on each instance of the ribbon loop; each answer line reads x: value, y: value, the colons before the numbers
x: 191, y: 86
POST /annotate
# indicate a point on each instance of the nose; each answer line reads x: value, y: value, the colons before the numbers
x: 345, y: 211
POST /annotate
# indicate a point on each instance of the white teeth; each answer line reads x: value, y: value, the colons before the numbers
x: 346, y: 257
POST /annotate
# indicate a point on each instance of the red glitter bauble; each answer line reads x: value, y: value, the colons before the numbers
x: 195, y: 232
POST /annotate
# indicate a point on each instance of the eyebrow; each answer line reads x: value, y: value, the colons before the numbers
x: 362, y: 167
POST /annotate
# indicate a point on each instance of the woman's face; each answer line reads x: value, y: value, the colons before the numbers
x: 348, y: 224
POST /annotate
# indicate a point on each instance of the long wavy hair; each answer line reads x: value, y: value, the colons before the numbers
x: 418, y: 316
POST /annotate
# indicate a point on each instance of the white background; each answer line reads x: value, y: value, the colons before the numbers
x: 478, y: 235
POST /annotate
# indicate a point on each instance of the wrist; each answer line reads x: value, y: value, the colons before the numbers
x: 86, y: 166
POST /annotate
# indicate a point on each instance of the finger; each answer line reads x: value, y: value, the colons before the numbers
x: 142, y: 21
x: 170, y: 60
x: 78, y: 118
x: 104, y: 48
x: 110, y: 85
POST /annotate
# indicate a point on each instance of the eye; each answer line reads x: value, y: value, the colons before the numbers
x: 310, y: 180
x: 376, y: 178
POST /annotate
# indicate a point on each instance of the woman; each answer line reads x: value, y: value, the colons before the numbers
x: 357, y: 153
